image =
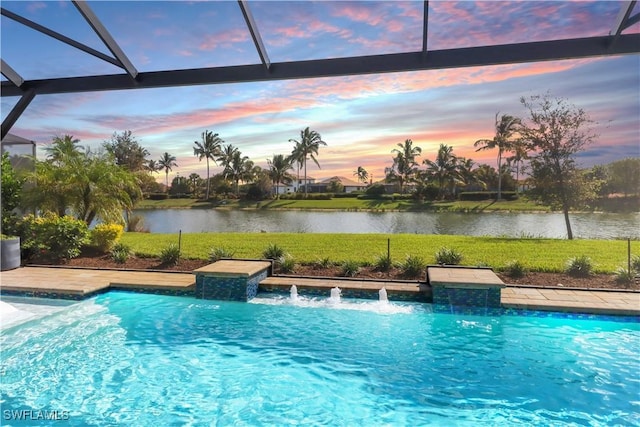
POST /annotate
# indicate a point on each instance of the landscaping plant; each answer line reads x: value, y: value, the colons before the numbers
x: 580, y: 266
x: 170, y: 255
x: 448, y: 256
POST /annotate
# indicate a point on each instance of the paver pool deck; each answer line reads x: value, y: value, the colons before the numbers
x: 79, y: 283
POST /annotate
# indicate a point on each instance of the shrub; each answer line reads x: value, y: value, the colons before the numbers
x: 286, y: 263
x: 170, y: 255
x: 487, y: 195
x: 273, y: 251
x: 448, y: 256
x: 105, y: 236
x: 218, y: 253
x: 120, y: 253
x: 136, y: 223
x: 53, y: 237
x: 383, y: 263
x: 624, y: 276
x: 412, y: 266
x: 350, y: 268
x: 514, y: 269
x: 580, y: 266
x: 158, y: 196
x: 375, y: 190
x: 323, y: 263
x: 635, y: 263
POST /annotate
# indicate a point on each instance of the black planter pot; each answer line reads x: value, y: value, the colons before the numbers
x: 9, y: 254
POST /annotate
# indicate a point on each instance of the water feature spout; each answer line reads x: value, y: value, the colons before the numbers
x: 335, y: 295
x: 382, y: 295
x: 293, y: 293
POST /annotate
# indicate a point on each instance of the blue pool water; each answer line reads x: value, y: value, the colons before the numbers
x: 149, y: 360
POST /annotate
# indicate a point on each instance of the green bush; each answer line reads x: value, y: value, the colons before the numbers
x: 52, y: 237
x: 448, y: 256
x: 170, y: 255
x: 515, y: 269
x: 624, y: 276
x: 383, y: 263
x: 323, y: 263
x: 580, y: 266
x: 350, y: 268
x: 487, y: 195
x: 413, y: 266
x: 286, y: 264
x: 105, y: 236
x: 158, y: 196
x: 219, y: 253
x: 635, y: 263
x: 120, y: 253
x: 273, y: 251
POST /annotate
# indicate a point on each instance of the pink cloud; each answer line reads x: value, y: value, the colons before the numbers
x: 224, y: 38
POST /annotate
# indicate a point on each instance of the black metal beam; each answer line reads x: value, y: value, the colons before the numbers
x: 425, y: 27
x: 10, y: 73
x: 16, y: 112
x: 59, y: 37
x: 626, y: 7
x: 255, y: 34
x: 375, y: 64
x: 106, y: 37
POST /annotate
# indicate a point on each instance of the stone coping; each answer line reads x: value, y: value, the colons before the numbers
x: 463, y: 278
x: 236, y: 268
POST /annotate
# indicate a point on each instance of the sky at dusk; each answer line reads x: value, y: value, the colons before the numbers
x: 361, y: 118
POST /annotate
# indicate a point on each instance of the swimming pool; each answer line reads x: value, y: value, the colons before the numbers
x: 136, y: 359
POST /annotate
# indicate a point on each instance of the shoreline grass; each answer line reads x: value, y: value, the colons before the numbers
x: 351, y: 204
x: 536, y: 254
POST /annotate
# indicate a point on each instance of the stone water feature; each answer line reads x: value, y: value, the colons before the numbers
x: 464, y: 287
x: 231, y: 280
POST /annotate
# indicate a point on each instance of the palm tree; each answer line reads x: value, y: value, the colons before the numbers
x: 444, y: 169
x: 519, y: 150
x: 297, y: 157
x: 167, y: 162
x: 236, y: 166
x: 310, y: 142
x: 153, y: 166
x: 208, y: 149
x: 195, y: 182
x: 506, y: 127
x: 362, y: 174
x: 404, y: 163
x: 279, y: 167
x: 63, y: 149
x: 465, y: 171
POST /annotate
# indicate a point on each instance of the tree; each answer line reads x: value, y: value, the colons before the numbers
x: 11, y: 194
x: 153, y: 166
x: 506, y: 128
x: 167, y: 162
x: 126, y: 151
x: 444, y: 170
x: 195, y: 182
x: 404, y: 163
x: 180, y: 186
x: 625, y: 176
x: 89, y: 186
x: 235, y: 165
x: 63, y: 149
x: 362, y: 174
x: 555, y: 132
x: 307, y: 147
x: 279, y: 167
x: 209, y: 149
x: 519, y: 150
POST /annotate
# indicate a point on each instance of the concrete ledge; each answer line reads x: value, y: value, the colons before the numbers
x: 235, y: 268
x: 463, y: 277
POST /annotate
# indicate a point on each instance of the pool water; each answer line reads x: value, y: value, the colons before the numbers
x: 149, y: 360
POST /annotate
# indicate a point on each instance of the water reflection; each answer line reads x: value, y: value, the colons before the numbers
x: 585, y: 225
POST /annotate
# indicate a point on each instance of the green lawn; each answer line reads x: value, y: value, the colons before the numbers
x: 549, y: 255
x: 521, y: 205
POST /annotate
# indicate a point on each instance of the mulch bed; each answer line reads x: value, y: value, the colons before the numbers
x: 598, y: 281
